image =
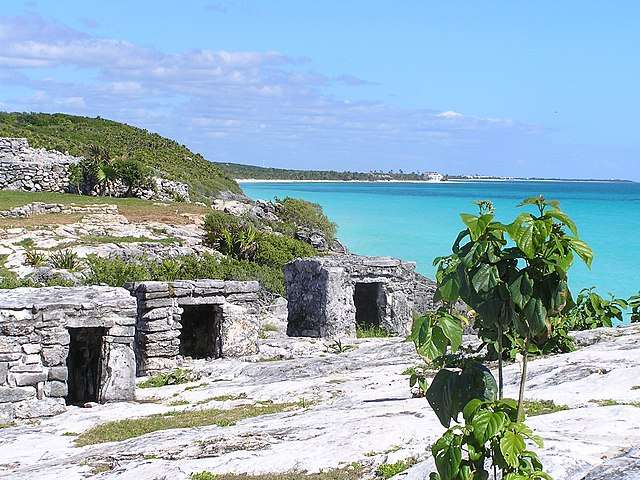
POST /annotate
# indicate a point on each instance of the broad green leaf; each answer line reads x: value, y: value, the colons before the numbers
x: 448, y: 460
x: 470, y: 409
x: 485, y: 278
x: 486, y: 425
x: 476, y: 225
x: 452, y: 327
x: 582, y: 250
x: 521, y: 290
x: 450, y: 289
x: 536, y: 315
x: 564, y: 219
x: 440, y: 395
x: 511, y: 446
x: 521, y: 231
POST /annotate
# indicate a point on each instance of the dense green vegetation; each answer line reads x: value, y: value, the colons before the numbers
x: 297, y: 213
x: 514, y: 276
x: 239, y: 171
x: 74, y: 134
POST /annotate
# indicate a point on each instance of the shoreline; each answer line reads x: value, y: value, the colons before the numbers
x: 431, y: 182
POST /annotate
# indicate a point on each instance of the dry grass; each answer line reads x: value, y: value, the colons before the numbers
x: 135, y: 209
x: 353, y: 472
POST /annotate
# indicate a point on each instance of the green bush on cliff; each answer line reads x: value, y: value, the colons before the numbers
x: 277, y: 250
x: 116, y: 272
x: 73, y: 134
x: 301, y: 213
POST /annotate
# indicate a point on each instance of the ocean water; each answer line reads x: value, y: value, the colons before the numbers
x: 419, y: 221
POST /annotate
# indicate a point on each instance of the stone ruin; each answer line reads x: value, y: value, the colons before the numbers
x: 61, y: 345
x: 37, y: 169
x: 73, y: 345
x: 33, y: 169
x: 331, y: 296
x: 196, y: 319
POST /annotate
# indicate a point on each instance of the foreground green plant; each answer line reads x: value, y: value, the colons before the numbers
x: 352, y: 472
x: 388, y: 470
x: 65, y: 259
x: 515, y: 278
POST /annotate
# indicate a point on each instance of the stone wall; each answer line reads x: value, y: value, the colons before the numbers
x: 40, y: 208
x: 36, y: 169
x: 33, y: 169
x: 321, y: 294
x: 35, y: 327
x: 161, y: 306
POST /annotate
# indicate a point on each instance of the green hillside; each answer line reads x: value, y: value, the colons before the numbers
x: 69, y: 133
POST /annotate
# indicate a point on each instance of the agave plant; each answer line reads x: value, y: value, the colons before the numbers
x: 65, y: 259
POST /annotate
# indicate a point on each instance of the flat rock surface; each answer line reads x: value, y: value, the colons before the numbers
x: 353, y: 406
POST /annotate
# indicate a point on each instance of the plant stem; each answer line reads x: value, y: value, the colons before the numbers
x: 523, y: 379
x: 500, y: 378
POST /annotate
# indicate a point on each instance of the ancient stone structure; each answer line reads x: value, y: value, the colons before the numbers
x: 194, y: 318
x: 32, y: 169
x: 330, y: 296
x: 64, y: 346
x: 36, y: 169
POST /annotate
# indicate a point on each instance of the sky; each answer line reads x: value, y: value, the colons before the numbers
x: 545, y: 88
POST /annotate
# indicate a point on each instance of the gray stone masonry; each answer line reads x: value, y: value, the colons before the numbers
x: 36, y: 330
x: 228, y: 307
x: 32, y: 169
x: 324, y: 294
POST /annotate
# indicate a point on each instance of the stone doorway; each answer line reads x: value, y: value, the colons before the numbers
x: 369, y: 300
x: 84, y: 365
x: 201, y: 333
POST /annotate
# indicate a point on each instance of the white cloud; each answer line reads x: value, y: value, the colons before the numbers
x: 450, y: 114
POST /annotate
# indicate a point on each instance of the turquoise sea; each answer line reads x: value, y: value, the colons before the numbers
x: 419, y: 221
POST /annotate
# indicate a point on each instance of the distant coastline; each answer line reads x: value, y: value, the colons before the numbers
x: 451, y: 180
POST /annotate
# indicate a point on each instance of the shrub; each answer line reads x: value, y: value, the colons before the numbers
x: 231, y: 235
x: 133, y: 173
x: 593, y: 311
x: 114, y: 272
x: 278, y: 250
x: 305, y: 214
x: 65, y: 259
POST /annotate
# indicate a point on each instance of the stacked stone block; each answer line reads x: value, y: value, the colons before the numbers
x: 160, y: 309
x: 320, y: 294
x: 34, y: 345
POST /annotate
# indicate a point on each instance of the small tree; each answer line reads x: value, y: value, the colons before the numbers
x: 515, y: 288
x: 133, y: 173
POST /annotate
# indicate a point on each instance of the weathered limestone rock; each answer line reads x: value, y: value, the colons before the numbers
x: 194, y: 318
x: 329, y: 296
x: 45, y: 329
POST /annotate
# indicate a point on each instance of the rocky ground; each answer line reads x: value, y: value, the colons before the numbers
x: 349, y: 403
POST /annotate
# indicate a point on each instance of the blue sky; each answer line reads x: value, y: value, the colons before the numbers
x: 540, y: 88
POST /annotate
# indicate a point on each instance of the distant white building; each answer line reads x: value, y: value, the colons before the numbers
x: 433, y: 176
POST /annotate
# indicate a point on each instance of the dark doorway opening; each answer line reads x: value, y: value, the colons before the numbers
x: 369, y: 300
x: 201, y: 334
x: 84, y: 365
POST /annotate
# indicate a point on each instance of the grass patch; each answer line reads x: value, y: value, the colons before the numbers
x: 610, y: 403
x: 134, y: 427
x: 353, y: 472
x: 177, y: 403
x: 196, y: 387
x: 388, y: 470
x: 371, y: 332
x: 176, y: 377
x: 266, y: 329
x: 99, y: 239
x: 225, y: 398
x: 135, y: 209
x: 70, y: 434
x: 26, y: 243
x: 542, y: 407
x: 101, y: 468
